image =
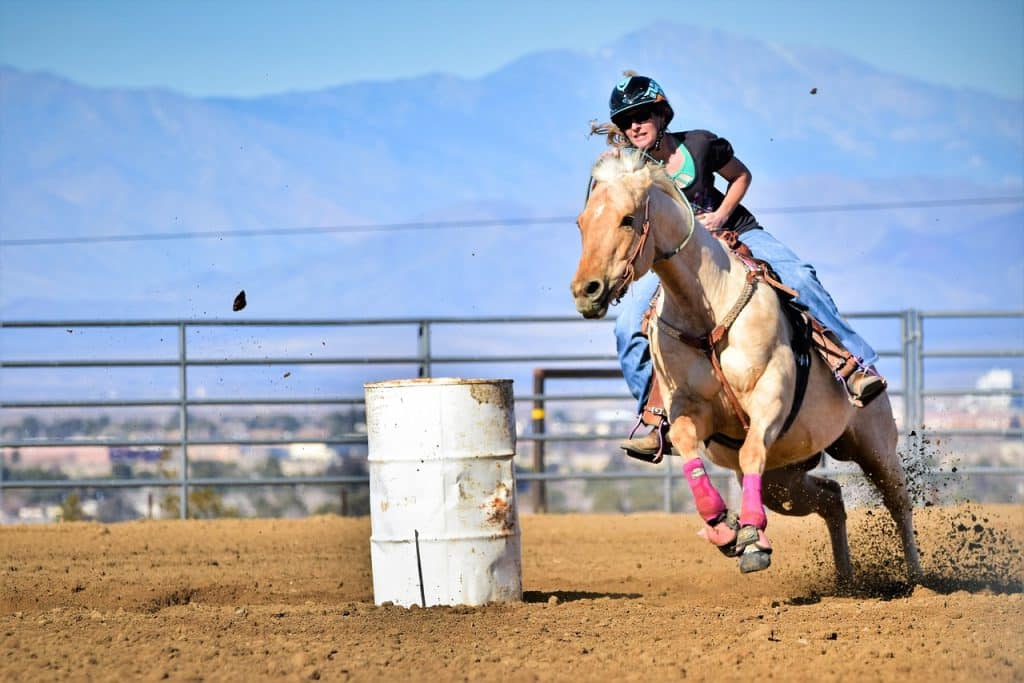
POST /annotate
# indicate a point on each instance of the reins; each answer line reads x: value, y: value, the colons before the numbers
x: 757, y: 271
x: 708, y: 343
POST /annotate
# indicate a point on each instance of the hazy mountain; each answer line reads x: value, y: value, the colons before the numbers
x: 78, y: 161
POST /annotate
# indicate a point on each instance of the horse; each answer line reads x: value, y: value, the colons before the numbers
x: 634, y: 221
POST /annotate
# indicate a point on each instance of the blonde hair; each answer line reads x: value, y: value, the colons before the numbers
x: 613, y: 136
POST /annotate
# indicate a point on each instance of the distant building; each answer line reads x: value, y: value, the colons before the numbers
x: 70, y: 461
x: 997, y: 379
x: 130, y: 456
x: 307, y: 459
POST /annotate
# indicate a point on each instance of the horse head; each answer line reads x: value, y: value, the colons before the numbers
x: 616, y: 230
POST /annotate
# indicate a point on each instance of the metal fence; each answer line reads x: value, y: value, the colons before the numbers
x: 911, y: 390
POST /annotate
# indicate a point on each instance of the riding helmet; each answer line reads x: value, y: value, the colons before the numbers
x: 637, y: 91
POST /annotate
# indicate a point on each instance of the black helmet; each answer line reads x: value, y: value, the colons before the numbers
x: 637, y: 91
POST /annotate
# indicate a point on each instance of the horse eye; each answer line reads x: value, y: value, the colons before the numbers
x: 627, y: 221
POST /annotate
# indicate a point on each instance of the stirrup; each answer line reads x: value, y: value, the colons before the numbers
x: 656, y: 455
x: 867, y: 394
x: 844, y: 365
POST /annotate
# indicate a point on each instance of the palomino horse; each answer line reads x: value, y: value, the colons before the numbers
x: 634, y: 221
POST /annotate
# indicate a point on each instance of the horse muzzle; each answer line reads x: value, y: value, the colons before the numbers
x: 592, y: 297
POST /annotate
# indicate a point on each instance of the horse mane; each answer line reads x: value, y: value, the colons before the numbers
x: 633, y: 170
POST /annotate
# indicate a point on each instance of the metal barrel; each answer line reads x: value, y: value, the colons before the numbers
x: 443, y: 514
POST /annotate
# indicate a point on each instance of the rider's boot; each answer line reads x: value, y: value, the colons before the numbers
x: 862, y: 384
x: 651, y: 446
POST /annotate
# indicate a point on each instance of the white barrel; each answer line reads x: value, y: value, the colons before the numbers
x: 443, y: 516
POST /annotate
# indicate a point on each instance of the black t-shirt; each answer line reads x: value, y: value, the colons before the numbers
x: 711, y: 153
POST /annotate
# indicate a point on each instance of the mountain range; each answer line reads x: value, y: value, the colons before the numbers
x: 403, y: 185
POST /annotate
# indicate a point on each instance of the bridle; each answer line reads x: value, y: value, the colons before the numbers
x: 630, y: 274
x: 641, y: 242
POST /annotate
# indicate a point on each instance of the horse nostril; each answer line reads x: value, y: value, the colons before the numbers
x: 593, y: 288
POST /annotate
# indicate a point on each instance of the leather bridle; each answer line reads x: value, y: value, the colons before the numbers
x: 641, y: 242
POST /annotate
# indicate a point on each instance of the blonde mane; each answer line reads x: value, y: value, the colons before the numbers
x: 611, y: 166
x: 635, y: 172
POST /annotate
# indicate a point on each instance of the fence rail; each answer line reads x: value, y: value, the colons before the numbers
x: 911, y: 353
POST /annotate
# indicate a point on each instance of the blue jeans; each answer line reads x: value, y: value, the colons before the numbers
x: 634, y: 350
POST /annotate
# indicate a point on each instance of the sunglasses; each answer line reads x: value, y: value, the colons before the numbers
x: 627, y: 119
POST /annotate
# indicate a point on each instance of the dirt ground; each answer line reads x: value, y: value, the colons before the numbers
x: 637, y: 597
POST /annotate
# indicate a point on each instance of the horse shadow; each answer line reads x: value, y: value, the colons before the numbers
x: 884, y: 588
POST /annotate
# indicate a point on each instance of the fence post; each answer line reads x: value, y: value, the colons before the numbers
x: 424, y: 348
x: 906, y: 343
x: 918, y: 341
x: 913, y: 379
x: 183, y: 417
x: 669, y: 474
x: 540, y: 493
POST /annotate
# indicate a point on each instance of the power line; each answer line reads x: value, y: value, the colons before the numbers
x: 262, y: 232
x: 880, y: 206
x: 475, y: 223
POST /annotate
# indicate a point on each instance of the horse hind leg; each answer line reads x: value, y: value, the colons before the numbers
x: 793, y: 492
x: 870, y: 441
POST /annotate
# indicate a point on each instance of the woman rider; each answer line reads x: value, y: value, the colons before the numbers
x: 641, y: 111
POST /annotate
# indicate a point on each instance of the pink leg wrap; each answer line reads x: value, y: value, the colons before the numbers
x: 709, y: 504
x: 752, y: 511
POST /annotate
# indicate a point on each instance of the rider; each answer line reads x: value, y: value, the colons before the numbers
x: 641, y: 111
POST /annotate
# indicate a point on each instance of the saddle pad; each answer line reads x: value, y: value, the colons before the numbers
x: 801, y: 345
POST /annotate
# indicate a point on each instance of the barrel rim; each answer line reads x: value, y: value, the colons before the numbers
x: 431, y: 381
x: 445, y: 456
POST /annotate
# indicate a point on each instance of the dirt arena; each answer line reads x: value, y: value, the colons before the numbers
x: 635, y: 597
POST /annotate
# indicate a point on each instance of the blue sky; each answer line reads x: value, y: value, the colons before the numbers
x: 257, y: 47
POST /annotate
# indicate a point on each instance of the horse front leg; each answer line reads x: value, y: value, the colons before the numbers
x: 720, y: 526
x: 752, y: 545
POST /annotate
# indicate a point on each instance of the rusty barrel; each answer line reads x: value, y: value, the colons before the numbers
x: 443, y: 515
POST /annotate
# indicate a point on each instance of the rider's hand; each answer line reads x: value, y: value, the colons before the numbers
x: 711, y: 220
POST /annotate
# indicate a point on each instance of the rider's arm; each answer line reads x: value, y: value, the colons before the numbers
x: 738, y: 176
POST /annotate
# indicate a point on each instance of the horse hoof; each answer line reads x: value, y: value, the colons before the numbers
x: 754, y: 559
x: 754, y: 549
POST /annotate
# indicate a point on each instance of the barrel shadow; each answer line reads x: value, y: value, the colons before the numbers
x: 571, y: 596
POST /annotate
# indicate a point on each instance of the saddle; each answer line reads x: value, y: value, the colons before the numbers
x: 808, y: 334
